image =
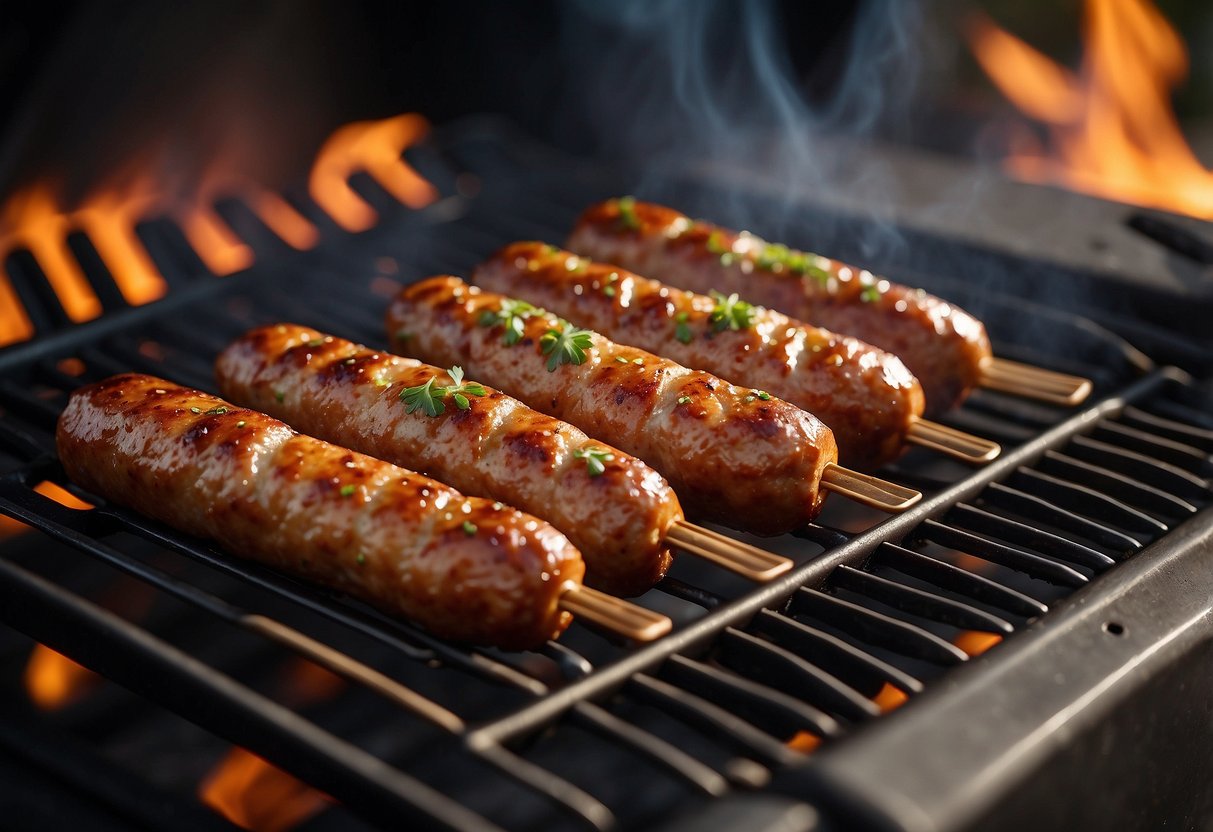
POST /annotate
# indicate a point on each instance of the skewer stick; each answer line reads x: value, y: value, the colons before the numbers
x: 748, y: 561
x: 869, y: 490
x: 615, y: 614
x: 955, y: 443
x: 1034, y: 382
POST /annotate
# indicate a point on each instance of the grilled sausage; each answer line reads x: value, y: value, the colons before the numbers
x: 463, y: 567
x: 615, y: 511
x: 867, y: 397
x: 733, y: 455
x: 944, y: 346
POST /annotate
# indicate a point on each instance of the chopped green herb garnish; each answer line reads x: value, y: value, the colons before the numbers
x: 818, y: 273
x: 469, y: 528
x: 716, y: 244
x: 348, y: 490
x: 684, y: 399
x: 609, y: 288
x: 349, y: 361
x: 380, y: 381
x: 195, y: 410
x: 240, y: 424
x: 217, y: 410
x: 763, y: 394
x: 279, y: 395
x: 730, y: 313
x: 609, y: 291
x: 639, y: 362
x: 749, y: 399
x: 429, y: 398
x: 512, y: 313
x: 577, y: 264
x: 361, y: 559
x: 566, y: 345
x: 627, y: 213
x: 315, y: 342
x: 870, y: 293
x: 594, y: 459
x: 422, y: 397
x: 682, y: 331
x: 621, y: 359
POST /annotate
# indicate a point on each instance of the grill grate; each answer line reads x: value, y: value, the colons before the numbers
x: 750, y: 680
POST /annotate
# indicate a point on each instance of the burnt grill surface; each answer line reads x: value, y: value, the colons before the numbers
x: 699, y: 730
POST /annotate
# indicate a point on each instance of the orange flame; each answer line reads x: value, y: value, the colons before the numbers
x: 374, y: 147
x: 257, y: 795
x: 1114, y: 133
x: 54, y: 681
x: 36, y: 219
x: 10, y: 526
x: 975, y: 642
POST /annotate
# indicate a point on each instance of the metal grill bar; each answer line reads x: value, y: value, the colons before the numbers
x: 148, y: 666
x: 782, y: 669
x: 1038, y: 508
x: 917, y: 602
x: 875, y: 628
x: 981, y: 521
x: 1162, y: 475
x: 867, y: 672
x: 1022, y: 561
x: 965, y: 583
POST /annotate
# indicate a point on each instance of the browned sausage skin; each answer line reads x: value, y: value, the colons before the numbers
x: 866, y: 396
x: 750, y: 461
x: 464, y: 568
x: 943, y: 345
x: 616, y: 510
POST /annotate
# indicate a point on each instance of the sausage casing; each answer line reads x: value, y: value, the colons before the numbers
x: 616, y: 511
x: 465, y: 568
x: 749, y: 461
x: 866, y: 396
x: 944, y: 346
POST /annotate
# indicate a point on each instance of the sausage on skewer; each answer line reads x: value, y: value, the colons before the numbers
x: 618, y: 511
x: 944, y: 346
x: 868, y: 398
x: 465, y: 568
x: 741, y: 457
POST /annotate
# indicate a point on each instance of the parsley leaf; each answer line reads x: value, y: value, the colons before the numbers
x: 422, y: 397
x: 682, y: 331
x: 730, y: 313
x: 429, y: 398
x: 594, y: 459
x: 566, y: 345
x: 512, y: 313
x: 627, y: 213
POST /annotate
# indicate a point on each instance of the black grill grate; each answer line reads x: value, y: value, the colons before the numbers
x: 588, y: 733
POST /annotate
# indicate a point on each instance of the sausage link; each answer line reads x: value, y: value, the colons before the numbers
x: 944, y: 346
x: 495, y: 447
x: 748, y: 461
x: 462, y: 567
x: 866, y: 396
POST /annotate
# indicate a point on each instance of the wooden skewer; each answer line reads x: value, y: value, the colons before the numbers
x: 1034, y: 382
x: 955, y: 443
x: 615, y: 614
x: 746, y: 560
x: 869, y: 490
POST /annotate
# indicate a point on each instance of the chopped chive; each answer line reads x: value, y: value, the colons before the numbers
x: 348, y: 490
x: 469, y: 528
